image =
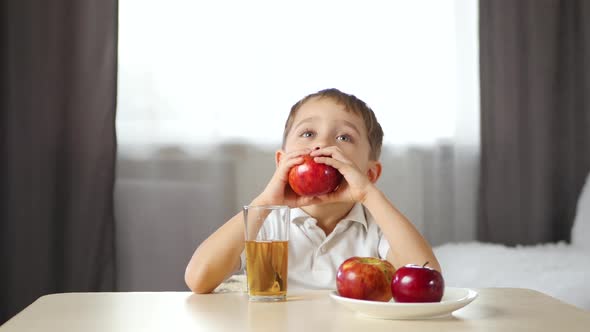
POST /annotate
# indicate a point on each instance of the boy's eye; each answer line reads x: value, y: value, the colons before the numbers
x: 344, y: 138
x: 306, y: 134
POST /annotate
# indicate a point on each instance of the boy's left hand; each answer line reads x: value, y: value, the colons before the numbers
x: 355, y: 185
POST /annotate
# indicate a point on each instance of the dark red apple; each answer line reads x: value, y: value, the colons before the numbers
x: 365, y: 278
x: 415, y: 283
x: 313, y: 179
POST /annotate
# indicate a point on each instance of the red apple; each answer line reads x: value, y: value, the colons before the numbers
x: 415, y: 283
x: 313, y: 179
x: 365, y: 278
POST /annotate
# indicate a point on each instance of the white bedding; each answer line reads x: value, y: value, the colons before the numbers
x: 560, y: 270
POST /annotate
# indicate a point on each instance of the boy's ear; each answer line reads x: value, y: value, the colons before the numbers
x: 278, y: 155
x: 374, y: 171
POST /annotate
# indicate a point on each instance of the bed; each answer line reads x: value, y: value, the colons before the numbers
x: 558, y: 269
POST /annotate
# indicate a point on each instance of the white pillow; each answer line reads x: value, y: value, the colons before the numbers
x: 581, y: 228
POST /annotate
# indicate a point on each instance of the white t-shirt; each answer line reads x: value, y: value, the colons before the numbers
x: 314, y: 258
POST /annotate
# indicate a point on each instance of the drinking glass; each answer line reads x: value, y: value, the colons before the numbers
x: 267, y: 251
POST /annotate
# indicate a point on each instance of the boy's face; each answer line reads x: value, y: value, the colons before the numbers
x: 321, y: 122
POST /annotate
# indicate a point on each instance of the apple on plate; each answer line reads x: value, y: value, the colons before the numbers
x: 415, y: 283
x: 365, y: 278
x: 313, y: 179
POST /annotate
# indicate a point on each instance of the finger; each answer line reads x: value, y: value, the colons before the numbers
x: 297, y: 153
x: 342, y: 193
x: 336, y: 196
x: 292, y: 162
x: 293, y: 154
x: 334, y: 162
x: 285, y: 166
x: 298, y: 201
x: 291, y: 159
x: 333, y: 152
x: 326, y: 151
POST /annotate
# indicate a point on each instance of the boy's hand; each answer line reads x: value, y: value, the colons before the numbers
x: 355, y: 185
x: 278, y: 191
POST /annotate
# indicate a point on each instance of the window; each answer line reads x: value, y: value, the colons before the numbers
x: 208, y: 71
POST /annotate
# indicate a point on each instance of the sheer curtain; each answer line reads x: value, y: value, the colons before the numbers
x: 205, y: 88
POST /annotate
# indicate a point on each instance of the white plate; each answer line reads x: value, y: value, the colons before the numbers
x: 453, y: 299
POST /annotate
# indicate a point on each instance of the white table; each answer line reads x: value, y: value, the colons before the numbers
x: 496, y: 309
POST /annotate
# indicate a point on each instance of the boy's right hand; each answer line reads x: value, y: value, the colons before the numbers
x: 278, y: 191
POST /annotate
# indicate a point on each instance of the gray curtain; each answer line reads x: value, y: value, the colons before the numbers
x: 535, y: 117
x: 57, y: 147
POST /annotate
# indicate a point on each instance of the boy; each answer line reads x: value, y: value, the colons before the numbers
x: 357, y: 219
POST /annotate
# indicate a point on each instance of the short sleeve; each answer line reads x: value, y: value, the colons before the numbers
x: 383, y: 246
x: 242, y: 260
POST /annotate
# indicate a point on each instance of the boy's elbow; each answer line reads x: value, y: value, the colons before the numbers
x: 203, y: 278
x: 196, y: 283
x: 200, y: 289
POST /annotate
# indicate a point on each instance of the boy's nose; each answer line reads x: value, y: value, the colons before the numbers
x: 321, y: 142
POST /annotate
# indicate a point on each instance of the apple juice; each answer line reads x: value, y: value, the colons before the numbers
x: 266, y: 267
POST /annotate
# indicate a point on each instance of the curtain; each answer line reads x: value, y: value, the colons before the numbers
x: 535, y: 118
x: 57, y: 141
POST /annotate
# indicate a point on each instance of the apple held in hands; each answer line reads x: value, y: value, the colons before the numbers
x: 313, y: 179
x: 415, y: 283
x: 365, y: 278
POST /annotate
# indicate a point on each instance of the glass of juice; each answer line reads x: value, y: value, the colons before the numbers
x: 267, y: 255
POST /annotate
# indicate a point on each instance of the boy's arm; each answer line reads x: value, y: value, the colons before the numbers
x: 407, y: 246
x: 219, y: 255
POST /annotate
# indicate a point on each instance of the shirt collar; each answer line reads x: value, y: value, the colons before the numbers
x: 356, y: 214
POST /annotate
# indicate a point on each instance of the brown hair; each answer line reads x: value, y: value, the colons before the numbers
x: 351, y: 104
